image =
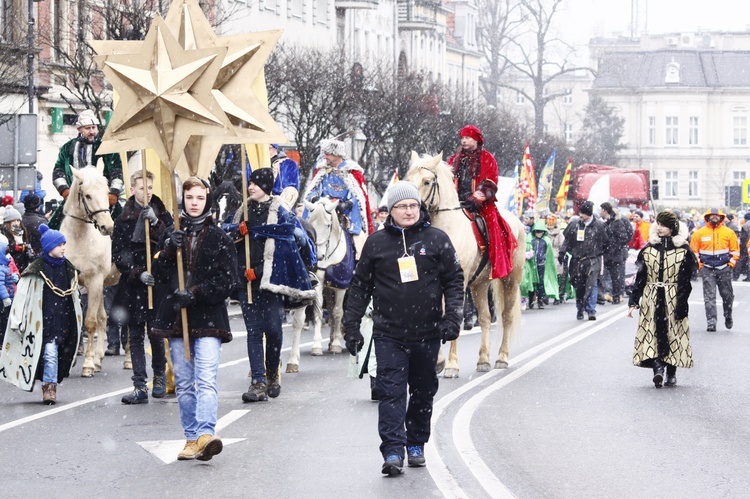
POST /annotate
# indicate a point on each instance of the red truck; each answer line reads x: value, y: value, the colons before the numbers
x: 600, y: 183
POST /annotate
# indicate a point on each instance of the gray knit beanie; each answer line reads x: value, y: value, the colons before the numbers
x: 399, y: 191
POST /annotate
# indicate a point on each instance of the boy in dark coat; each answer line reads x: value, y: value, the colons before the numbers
x: 210, y: 270
x: 131, y: 300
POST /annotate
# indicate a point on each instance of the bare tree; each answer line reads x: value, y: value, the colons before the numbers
x: 496, y: 24
x: 310, y: 91
x: 538, y: 55
x: 14, y: 51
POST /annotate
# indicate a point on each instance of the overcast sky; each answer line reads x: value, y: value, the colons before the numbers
x: 604, y: 17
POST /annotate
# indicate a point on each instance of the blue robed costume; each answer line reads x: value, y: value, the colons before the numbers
x: 339, y: 183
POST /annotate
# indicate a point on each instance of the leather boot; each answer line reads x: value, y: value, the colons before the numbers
x: 658, y: 373
x: 49, y: 393
x: 671, y: 376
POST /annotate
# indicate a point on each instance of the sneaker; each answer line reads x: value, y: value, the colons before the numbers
x: 728, y: 322
x: 256, y: 393
x: 159, y: 389
x: 274, y: 389
x: 415, y: 454
x: 112, y: 351
x: 189, y: 452
x: 711, y: 329
x: 137, y: 396
x: 208, y: 447
x: 393, y: 465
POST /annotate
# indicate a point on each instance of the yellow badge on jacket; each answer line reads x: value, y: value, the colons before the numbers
x: 407, y: 266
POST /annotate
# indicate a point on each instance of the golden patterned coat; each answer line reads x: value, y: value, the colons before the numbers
x: 661, y: 290
x: 22, y: 358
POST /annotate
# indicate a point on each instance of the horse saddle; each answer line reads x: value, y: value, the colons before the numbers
x: 479, y: 227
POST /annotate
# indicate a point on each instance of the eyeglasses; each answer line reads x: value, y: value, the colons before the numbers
x: 404, y: 207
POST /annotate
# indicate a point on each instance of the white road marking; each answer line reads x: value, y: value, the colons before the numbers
x: 442, y: 477
x: 167, y: 450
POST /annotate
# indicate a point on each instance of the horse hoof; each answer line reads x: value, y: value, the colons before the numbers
x: 451, y: 373
x: 316, y: 352
x: 87, y: 372
x: 292, y: 368
x: 334, y: 349
x: 127, y: 364
x: 483, y: 367
x: 501, y: 364
x: 440, y: 366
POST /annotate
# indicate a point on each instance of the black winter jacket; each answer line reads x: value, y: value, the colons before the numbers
x: 130, y: 258
x: 620, y: 233
x: 411, y: 311
x: 596, y: 238
x: 210, y: 263
x: 32, y: 220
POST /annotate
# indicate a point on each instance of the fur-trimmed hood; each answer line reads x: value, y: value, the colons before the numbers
x: 678, y: 240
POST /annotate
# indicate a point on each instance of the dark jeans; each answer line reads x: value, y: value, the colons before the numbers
x: 402, y: 363
x: 138, y: 355
x: 584, y: 273
x: 721, y: 278
x: 4, y: 315
x: 616, y: 271
x: 264, y: 315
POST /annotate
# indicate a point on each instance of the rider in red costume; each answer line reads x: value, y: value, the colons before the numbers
x: 475, y: 175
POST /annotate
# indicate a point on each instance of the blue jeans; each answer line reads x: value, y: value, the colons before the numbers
x: 196, y: 384
x: 402, y: 364
x: 50, y: 363
x: 264, y: 315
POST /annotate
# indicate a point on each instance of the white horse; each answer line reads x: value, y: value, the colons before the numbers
x: 331, y: 246
x: 434, y: 179
x: 87, y: 227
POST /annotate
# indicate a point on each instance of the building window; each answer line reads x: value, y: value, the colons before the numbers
x: 520, y: 99
x: 568, y: 97
x: 271, y: 5
x: 652, y: 130
x: 568, y: 133
x: 740, y: 131
x: 738, y: 177
x: 694, y: 184
x: 296, y: 8
x: 693, y: 140
x: 670, y: 184
x: 321, y: 11
x: 672, y: 131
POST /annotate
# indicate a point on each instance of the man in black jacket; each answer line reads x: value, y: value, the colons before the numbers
x: 620, y: 233
x: 585, y: 240
x: 131, y: 298
x: 408, y: 269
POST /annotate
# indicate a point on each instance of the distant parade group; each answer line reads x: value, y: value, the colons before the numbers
x: 406, y: 278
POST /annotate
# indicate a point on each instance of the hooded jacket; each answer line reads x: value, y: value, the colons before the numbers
x: 410, y: 311
x: 715, y: 247
x: 620, y: 234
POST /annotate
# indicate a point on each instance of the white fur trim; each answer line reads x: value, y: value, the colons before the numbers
x: 351, y: 184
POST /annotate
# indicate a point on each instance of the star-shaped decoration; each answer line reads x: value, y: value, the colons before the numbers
x: 166, y: 94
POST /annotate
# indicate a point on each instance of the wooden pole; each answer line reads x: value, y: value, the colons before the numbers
x: 147, y: 224
x: 180, y: 270
x: 245, y: 216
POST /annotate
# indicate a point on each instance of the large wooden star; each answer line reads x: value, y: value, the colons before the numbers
x: 239, y: 86
x: 166, y: 94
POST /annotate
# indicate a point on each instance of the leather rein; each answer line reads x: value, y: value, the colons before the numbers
x: 89, y: 214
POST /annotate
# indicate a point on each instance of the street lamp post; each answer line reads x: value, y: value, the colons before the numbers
x: 30, y: 56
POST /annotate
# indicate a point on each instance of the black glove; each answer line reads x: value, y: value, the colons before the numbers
x: 183, y: 299
x: 448, y: 332
x: 176, y: 239
x: 561, y: 259
x: 468, y: 205
x: 147, y: 279
x: 148, y: 213
x: 354, y: 342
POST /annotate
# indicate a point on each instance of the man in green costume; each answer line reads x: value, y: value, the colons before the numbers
x: 80, y: 152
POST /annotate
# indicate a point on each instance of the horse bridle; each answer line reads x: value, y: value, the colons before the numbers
x: 434, y: 192
x: 89, y: 214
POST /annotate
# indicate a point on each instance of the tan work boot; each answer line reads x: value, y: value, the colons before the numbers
x: 189, y: 452
x: 49, y: 393
x: 208, y: 447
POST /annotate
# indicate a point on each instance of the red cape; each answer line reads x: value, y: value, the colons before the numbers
x: 502, y: 242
